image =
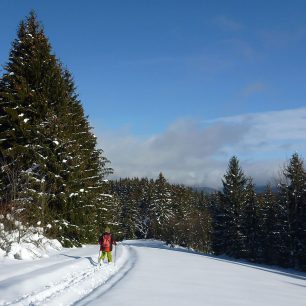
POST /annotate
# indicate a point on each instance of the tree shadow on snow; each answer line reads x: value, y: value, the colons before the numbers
x: 80, y: 257
x: 299, y: 285
x: 271, y: 269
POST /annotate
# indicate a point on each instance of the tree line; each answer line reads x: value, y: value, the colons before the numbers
x: 269, y: 227
x: 147, y: 208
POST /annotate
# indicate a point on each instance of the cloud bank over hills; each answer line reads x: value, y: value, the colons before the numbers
x: 196, y: 152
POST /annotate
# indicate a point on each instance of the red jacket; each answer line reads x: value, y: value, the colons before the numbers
x: 106, y: 242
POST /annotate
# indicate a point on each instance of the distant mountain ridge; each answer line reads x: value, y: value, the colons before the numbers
x: 209, y: 190
x: 204, y: 189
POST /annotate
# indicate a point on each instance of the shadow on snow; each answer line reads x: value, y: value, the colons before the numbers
x: 80, y: 257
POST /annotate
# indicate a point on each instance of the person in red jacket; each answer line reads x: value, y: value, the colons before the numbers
x: 106, y: 242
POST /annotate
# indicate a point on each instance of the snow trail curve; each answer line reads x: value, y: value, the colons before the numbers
x: 176, y: 277
x: 67, y: 278
x: 147, y: 273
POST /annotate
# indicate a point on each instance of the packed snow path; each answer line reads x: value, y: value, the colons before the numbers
x: 163, y: 276
x: 147, y: 273
x: 62, y: 279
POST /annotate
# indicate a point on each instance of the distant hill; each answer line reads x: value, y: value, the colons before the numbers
x: 263, y: 188
x: 209, y: 190
x: 204, y: 189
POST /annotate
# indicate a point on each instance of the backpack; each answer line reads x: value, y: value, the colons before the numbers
x: 106, y: 241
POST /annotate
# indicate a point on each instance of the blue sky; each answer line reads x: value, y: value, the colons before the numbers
x: 160, y: 78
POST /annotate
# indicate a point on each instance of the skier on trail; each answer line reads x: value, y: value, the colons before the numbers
x: 106, y: 242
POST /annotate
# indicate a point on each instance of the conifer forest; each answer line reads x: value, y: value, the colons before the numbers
x: 54, y: 176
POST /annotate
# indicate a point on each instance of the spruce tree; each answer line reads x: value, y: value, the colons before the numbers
x: 250, y: 224
x: 84, y: 168
x: 269, y: 226
x: 296, y: 206
x: 129, y: 212
x: 145, y: 201
x: 281, y: 229
x: 47, y: 142
x: 30, y: 89
x: 161, y: 208
x: 220, y: 221
x: 234, y: 198
x: 182, y: 206
x: 201, y: 222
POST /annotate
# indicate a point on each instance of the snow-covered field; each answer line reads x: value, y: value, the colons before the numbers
x: 146, y: 273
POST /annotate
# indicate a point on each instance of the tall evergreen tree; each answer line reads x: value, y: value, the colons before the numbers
x: 201, y: 222
x: 281, y: 229
x: 83, y: 168
x: 30, y: 89
x: 220, y: 221
x: 182, y: 202
x: 296, y: 206
x: 129, y: 196
x: 234, y: 198
x: 270, y: 226
x: 161, y: 208
x: 144, y: 217
x: 250, y: 224
x: 46, y: 140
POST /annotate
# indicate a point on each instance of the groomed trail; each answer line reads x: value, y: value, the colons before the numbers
x: 147, y: 273
x: 62, y: 279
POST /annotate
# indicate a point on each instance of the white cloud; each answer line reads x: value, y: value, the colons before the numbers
x: 193, y: 152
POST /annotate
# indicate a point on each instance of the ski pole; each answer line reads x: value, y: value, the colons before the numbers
x: 115, y: 255
x: 99, y: 257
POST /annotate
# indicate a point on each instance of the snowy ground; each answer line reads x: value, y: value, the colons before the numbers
x: 146, y: 273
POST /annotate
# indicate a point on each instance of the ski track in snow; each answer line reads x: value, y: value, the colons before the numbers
x: 70, y: 288
x: 147, y: 273
x: 97, y: 293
